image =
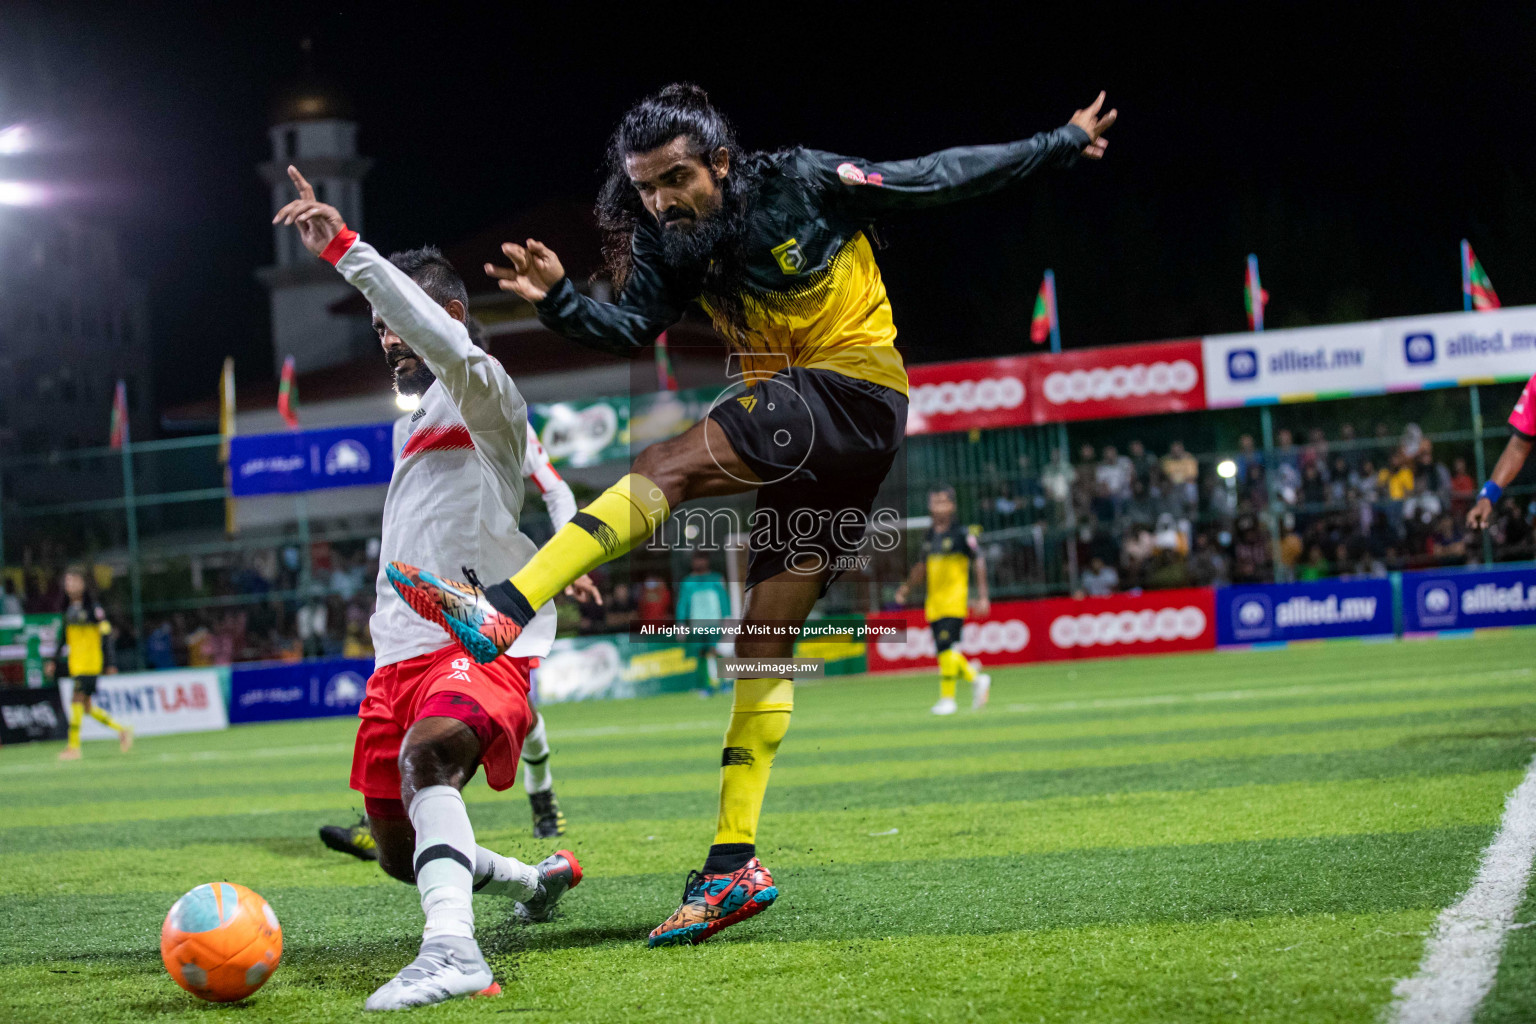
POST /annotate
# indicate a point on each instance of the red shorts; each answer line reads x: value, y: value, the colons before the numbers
x: 491, y: 699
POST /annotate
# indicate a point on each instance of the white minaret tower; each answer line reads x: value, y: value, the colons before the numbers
x: 312, y: 128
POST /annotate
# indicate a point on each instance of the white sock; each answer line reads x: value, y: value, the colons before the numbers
x: 445, y: 859
x: 496, y: 875
x: 537, y: 775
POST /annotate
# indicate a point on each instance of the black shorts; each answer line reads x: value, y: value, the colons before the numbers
x: 822, y: 443
x: 85, y: 686
x: 946, y: 633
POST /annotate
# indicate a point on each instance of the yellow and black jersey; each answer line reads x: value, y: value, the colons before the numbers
x: 947, y: 554
x: 87, y: 639
x: 812, y: 294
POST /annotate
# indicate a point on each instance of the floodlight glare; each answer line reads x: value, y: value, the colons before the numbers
x: 407, y: 403
x: 1226, y: 469
x: 22, y: 193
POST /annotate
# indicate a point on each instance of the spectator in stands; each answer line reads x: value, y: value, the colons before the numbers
x: 1113, y: 477
x: 1248, y: 455
x: 654, y: 603
x: 1462, y: 488
x: 1143, y: 463
x: 1183, y: 474
x: 1447, y: 543
x: 312, y: 620
x: 1316, y: 451
x: 1287, y: 466
x: 1339, y: 476
x: 1167, y: 570
x: 1207, y: 565
x: 1056, y: 484
x: 1314, y: 566
x: 1136, y: 549
x: 1140, y: 507
x: 1100, y: 579
x: 10, y: 604
x: 160, y: 647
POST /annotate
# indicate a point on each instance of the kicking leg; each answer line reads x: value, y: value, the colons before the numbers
x: 734, y: 884
x: 698, y: 464
x: 71, y: 751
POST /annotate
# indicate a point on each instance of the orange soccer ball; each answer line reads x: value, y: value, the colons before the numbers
x: 221, y: 942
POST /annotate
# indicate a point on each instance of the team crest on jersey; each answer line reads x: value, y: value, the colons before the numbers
x: 790, y: 256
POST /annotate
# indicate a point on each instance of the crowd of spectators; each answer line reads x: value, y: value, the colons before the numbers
x: 1323, y: 507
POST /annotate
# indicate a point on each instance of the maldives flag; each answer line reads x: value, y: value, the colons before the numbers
x: 120, y: 415
x: 1044, y: 320
x: 288, y: 396
x: 1474, y: 281
x: 666, y: 380
x: 1255, y: 298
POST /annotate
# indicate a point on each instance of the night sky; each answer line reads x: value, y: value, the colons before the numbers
x: 1351, y: 148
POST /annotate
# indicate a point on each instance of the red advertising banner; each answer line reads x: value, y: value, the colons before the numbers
x: 1120, y: 380
x: 974, y: 395
x: 1153, y: 622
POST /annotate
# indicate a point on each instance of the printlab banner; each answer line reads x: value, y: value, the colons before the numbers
x: 157, y: 703
x: 301, y: 689
x: 1298, y: 364
x: 1152, y: 622
x: 311, y: 460
x: 1303, y: 611
x: 1468, y: 600
x: 28, y: 715
x: 1459, y: 348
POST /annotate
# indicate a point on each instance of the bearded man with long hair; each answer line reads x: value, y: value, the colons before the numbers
x: 776, y: 248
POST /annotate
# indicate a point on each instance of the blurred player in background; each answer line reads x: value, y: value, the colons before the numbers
x: 538, y: 777
x: 950, y: 551
x: 701, y: 599
x: 432, y: 717
x: 776, y: 248
x: 88, y: 649
x: 1523, y: 421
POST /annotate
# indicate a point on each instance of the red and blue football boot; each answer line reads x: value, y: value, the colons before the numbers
x: 716, y: 901
x: 461, y: 609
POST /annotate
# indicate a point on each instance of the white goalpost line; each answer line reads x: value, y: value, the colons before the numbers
x: 1461, y: 958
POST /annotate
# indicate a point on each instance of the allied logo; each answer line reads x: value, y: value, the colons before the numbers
x: 1253, y: 618
x: 1243, y: 364
x: 1437, y: 603
x: 1419, y: 348
x: 790, y: 256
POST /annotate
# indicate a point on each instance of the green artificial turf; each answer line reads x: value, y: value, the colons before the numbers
x: 1256, y: 836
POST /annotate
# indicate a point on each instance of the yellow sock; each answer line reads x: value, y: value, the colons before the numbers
x: 950, y: 663
x: 621, y: 517
x: 963, y: 665
x: 759, y: 720
x: 105, y: 719
x: 76, y: 713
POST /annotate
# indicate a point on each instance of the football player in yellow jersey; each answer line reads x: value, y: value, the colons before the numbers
x: 87, y: 651
x: 776, y: 248
x: 949, y: 552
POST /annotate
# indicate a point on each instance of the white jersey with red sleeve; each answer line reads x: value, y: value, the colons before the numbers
x: 1523, y: 419
x: 456, y: 491
x: 540, y: 472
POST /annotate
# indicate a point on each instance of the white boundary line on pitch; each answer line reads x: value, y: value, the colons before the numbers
x: 1461, y: 958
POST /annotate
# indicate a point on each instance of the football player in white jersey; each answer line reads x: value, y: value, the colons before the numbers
x: 431, y: 716
x: 538, y: 776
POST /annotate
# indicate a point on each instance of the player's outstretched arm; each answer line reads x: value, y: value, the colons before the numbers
x: 1504, y: 472
x: 479, y: 386
x: 867, y: 188
x: 645, y: 308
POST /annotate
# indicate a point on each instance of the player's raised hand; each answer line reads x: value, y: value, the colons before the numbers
x: 318, y: 222
x: 584, y: 590
x: 1090, y: 121
x: 1480, y: 514
x: 534, y: 271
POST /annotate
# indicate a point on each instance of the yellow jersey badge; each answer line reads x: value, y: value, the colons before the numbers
x: 790, y: 256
